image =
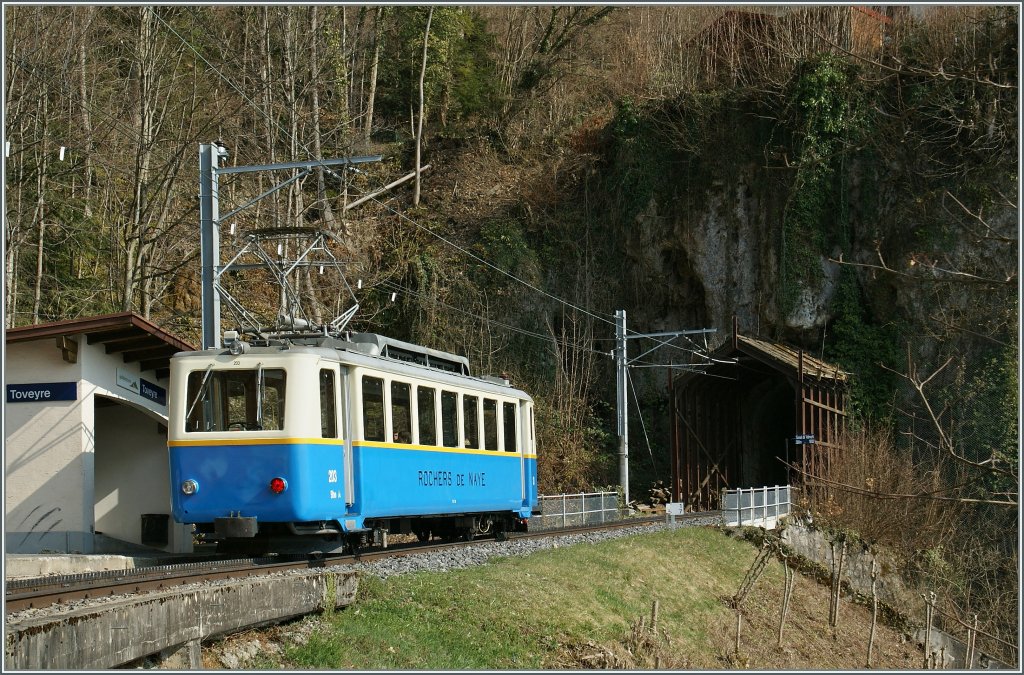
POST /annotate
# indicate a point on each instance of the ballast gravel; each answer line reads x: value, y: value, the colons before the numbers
x: 478, y: 554
x: 434, y: 561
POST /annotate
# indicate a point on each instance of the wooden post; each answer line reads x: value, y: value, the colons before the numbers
x: 739, y: 624
x: 874, y: 609
x: 928, y: 600
x: 839, y: 579
x: 787, y: 593
x: 972, y: 637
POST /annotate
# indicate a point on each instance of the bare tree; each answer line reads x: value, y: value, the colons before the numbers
x: 419, y: 129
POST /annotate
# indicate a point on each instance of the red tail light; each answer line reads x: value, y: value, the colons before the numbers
x: 278, y: 485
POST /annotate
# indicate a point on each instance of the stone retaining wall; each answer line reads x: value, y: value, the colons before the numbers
x: 814, y: 545
x: 108, y: 634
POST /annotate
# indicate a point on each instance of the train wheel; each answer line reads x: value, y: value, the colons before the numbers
x: 482, y: 525
x: 354, y: 542
x: 423, y: 535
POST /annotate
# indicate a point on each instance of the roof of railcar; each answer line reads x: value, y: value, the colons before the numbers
x: 357, y: 358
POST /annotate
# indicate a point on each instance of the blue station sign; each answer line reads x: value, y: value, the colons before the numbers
x: 144, y: 388
x: 42, y: 392
x: 153, y: 392
x: 804, y: 439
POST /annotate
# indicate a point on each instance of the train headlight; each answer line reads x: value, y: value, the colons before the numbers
x: 278, y: 485
x: 189, y: 487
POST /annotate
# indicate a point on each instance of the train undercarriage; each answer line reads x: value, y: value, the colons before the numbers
x: 238, y: 535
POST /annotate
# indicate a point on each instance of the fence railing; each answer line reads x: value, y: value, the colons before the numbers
x: 583, y: 508
x: 759, y: 507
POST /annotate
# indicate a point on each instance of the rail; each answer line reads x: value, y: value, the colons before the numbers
x: 759, y: 507
x: 584, y: 508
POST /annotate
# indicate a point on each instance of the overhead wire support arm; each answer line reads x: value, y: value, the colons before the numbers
x: 664, y: 343
x: 298, y: 176
x: 311, y: 164
x: 210, y: 156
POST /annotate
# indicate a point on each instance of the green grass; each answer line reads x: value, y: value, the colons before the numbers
x: 581, y: 607
x: 516, y: 613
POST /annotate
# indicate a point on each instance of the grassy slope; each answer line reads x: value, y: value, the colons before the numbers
x: 580, y: 607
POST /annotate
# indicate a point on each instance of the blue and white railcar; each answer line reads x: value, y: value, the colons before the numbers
x: 344, y: 441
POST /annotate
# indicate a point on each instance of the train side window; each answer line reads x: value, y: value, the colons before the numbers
x: 328, y: 416
x: 450, y: 419
x: 425, y: 413
x: 272, y: 399
x: 401, y: 412
x: 511, y: 444
x: 373, y: 408
x: 490, y: 424
x: 471, y: 421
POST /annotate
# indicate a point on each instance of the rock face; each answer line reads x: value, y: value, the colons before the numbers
x: 701, y: 266
x: 699, y: 256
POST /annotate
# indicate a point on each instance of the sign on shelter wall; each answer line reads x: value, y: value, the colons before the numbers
x: 42, y: 392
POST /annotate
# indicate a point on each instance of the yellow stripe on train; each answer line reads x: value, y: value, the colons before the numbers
x: 258, y: 441
x: 340, y: 442
x: 437, y: 448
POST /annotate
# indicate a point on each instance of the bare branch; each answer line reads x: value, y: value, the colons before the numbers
x: 934, y: 496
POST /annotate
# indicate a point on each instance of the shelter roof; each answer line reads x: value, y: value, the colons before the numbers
x: 778, y: 354
x: 791, y: 362
x: 127, y: 333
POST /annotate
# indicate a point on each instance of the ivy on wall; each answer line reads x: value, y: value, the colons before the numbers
x: 827, y: 110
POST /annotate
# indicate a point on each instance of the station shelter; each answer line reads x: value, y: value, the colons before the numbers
x: 85, y: 437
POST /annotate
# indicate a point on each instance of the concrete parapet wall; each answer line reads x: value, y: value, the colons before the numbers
x: 31, y: 566
x: 815, y: 546
x: 113, y: 633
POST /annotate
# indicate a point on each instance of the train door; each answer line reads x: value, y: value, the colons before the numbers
x: 332, y: 427
x: 345, y: 422
x: 528, y: 443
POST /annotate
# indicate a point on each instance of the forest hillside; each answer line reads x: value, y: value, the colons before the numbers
x: 842, y: 178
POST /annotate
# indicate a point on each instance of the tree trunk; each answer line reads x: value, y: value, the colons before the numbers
x: 419, y: 130
x: 39, y: 215
x: 377, y: 34
x: 145, y: 127
x: 314, y: 68
x: 268, y: 112
x: 83, y: 98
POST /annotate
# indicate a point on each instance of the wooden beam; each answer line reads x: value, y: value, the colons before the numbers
x: 824, y: 406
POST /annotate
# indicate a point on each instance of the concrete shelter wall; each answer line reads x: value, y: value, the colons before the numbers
x: 47, y: 457
x: 50, y: 462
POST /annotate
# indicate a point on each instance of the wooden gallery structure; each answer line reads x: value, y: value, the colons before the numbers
x: 761, y: 414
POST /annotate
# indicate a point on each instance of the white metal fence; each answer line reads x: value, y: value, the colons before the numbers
x: 584, y: 508
x: 760, y: 507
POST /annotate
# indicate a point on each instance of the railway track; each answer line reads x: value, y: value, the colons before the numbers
x: 42, y: 592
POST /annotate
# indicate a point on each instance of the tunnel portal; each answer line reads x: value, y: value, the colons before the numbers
x: 744, y: 421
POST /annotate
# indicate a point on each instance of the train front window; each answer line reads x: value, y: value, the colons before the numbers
x: 490, y: 424
x: 373, y: 408
x: 235, y: 400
